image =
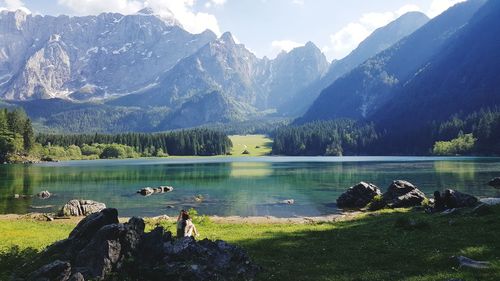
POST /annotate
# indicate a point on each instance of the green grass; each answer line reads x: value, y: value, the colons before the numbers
x: 257, y: 145
x: 374, y: 247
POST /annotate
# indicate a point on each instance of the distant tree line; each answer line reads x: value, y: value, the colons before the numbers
x: 201, y: 142
x: 335, y: 138
x: 477, y: 133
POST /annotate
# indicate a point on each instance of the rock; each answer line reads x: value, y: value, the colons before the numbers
x: 402, y: 194
x: 81, y: 208
x: 149, y: 190
x: 495, y: 182
x: 101, y: 248
x: 54, y: 271
x: 17, y: 196
x: 146, y: 191
x: 482, y: 210
x: 358, y: 196
x: 288, y: 202
x: 490, y: 201
x: 470, y: 263
x: 199, y: 198
x: 77, y: 277
x: 44, y: 194
x: 456, y: 199
x: 167, y: 188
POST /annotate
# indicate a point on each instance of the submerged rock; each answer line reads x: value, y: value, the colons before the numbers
x: 402, y: 194
x: 358, y: 196
x: 81, y: 208
x: 100, y: 248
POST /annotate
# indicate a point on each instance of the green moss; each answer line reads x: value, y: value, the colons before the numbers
x: 385, y: 245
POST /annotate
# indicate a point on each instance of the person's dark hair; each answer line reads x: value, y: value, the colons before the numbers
x: 185, y: 216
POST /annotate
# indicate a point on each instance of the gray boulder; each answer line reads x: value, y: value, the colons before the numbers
x: 54, y: 271
x: 44, y: 194
x: 358, y: 196
x: 147, y: 191
x: 456, y: 199
x: 101, y: 248
x: 81, y: 208
x: 495, y: 182
x: 402, y: 194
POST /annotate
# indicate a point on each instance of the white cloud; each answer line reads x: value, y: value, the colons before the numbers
x: 439, y: 6
x: 212, y: 3
x: 348, y: 38
x: 298, y: 2
x: 283, y: 45
x: 183, y: 10
x: 13, y: 5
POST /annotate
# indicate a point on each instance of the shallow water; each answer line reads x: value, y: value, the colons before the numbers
x: 234, y: 186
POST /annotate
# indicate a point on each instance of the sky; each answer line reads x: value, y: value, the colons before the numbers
x: 266, y: 27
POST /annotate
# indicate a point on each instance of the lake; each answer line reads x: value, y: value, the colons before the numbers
x: 251, y: 186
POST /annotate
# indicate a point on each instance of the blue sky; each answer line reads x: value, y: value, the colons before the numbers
x: 266, y: 27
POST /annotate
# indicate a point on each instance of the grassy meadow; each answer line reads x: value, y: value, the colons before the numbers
x: 256, y: 145
x: 386, y: 245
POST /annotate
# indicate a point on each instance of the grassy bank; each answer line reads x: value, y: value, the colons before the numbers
x: 381, y: 246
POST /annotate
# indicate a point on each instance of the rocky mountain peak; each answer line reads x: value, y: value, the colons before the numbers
x: 227, y: 38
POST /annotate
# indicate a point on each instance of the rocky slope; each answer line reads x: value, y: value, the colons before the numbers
x: 88, y: 57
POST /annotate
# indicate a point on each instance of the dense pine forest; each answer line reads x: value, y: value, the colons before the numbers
x: 203, y: 142
x: 18, y: 143
x: 333, y: 138
x: 477, y: 133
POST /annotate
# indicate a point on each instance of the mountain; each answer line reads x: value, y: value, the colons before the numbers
x: 245, y: 85
x: 463, y: 78
x: 291, y: 72
x: 378, y: 41
x: 365, y: 90
x: 85, y: 58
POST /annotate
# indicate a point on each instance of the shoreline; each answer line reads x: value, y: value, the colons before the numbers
x: 344, y: 216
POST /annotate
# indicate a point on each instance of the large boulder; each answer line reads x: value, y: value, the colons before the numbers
x: 403, y: 194
x: 44, y: 194
x: 495, y: 182
x: 101, y: 248
x: 81, y: 208
x: 456, y: 199
x: 358, y: 196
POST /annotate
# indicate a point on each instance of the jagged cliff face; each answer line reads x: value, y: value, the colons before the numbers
x: 88, y: 57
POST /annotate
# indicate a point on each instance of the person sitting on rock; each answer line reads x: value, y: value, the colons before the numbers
x: 181, y: 224
x: 185, y: 226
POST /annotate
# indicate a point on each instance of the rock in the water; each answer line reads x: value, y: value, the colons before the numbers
x: 17, y: 196
x: 54, y: 271
x: 358, y: 196
x: 494, y: 182
x: 100, y: 248
x: 44, y: 194
x: 402, y: 194
x: 288, y: 202
x: 149, y: 190
x: 81, y: 208
x: 146, y: 191
x: 456, y: 199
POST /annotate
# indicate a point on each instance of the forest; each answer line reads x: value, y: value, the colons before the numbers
x: 331, y: 138
x: 18, y: 143
x: 476, y: 133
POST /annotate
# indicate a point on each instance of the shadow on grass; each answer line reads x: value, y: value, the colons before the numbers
x: 14, y: 258
x: 382, y: 248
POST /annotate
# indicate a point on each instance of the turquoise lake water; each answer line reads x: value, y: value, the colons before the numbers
x: 234, y: 186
